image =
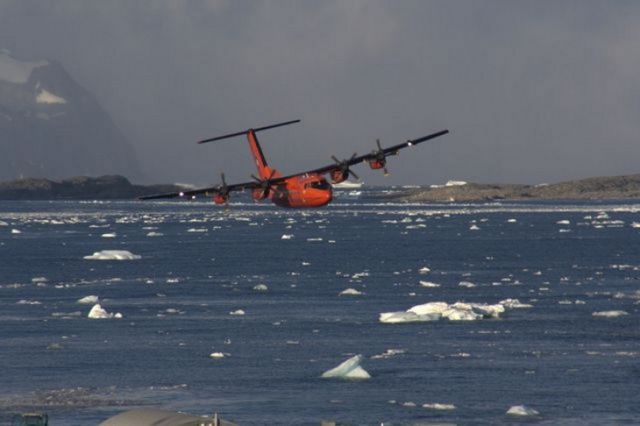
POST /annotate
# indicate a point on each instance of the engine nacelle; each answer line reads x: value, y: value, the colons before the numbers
x: 258, y: 194
x: 377, y: 164
x: 338, y: 176
x: 220, y: 199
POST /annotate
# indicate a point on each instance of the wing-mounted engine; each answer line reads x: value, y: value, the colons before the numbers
x: 378, y: 159
x: 342, y: 170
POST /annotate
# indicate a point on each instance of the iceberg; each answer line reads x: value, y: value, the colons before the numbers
x: 97, y: 312
x: 459, y: 311
x: 350, y: 292
x: 610, y: 314
x: 88, y: 300
x: 439, y: 406
x: 349, y: 369
x: 113, y: 255
x: 522, y: 410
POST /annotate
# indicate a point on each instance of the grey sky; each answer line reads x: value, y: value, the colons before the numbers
x: 533, y: 91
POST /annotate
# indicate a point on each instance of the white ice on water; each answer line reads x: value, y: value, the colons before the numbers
x: 438, y: 406
x: 350, y: 292
x: 459, y: 311
x: 286, y: 236
x: 113, y: 255
x: 97, y: 312
x: 88, y: 300
x: 424, y: 270
x: 429, y: 284
x: 349, y: 369
x: 155, y: 234
x: 610, y: 314
x: 261, y: 287
x: 109, y: 235
x: 522, y: 410
x: 237, y: 312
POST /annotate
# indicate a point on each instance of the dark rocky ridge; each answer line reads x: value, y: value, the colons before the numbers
x: 79, y: 188
x: 596, y: 188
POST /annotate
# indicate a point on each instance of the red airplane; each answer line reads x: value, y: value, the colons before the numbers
x: 305, y: 189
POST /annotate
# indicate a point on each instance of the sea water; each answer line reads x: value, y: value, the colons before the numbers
x: 201, y: 265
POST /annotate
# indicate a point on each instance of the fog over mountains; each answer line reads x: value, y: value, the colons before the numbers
x: 52, y: 127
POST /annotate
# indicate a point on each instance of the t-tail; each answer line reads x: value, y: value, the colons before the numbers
x: 264, y: 171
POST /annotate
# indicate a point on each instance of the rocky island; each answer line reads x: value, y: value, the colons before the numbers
x: 595, y: 188
x: 108, y: 187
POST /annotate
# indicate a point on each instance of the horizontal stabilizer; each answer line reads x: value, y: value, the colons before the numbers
x: 244, y: 132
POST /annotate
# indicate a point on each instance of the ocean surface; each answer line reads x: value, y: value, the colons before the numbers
x: 567, y: 260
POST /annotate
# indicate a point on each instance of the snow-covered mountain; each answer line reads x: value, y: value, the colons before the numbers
x: 52, y: 127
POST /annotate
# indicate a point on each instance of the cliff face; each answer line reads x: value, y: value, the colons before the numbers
x: 615, y: 187
x: 52, y: 127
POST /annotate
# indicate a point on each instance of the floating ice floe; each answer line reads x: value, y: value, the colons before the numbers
x: 237, y: 312
x: 286, y: 236
x: 459, y: 311
x: 217, y: 355
x: 88, y: 300
x: 16, y: 231
x: 3, y: 223
x: 113, y: 255
x: 37, y: 280
x: 388, y: 353
x: 424, y: 270
x: 610, y: 314
x: 511, y: 220
x: 350, y: 292
x: 28, y: 302
x: 635, y: 224
x: 350, y: 369
x: 97, y: 312
x: 466, y: 284
x: 439, y: 406
x: 522, y: 410
x: 109, y: 235
x: 474, y: 228
x: 261, y: 287
x: 155, y: 234
x: 564, y: 222
x: 429, y: 284
x: 197, y: 230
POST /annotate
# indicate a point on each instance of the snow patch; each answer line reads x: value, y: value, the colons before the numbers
x: 46, y: 97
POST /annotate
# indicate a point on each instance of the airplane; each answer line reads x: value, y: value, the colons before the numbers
x: 299, y: 190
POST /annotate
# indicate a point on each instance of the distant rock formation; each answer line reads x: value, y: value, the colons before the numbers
x: 79, y: 188
x: 596, y: 188
x: 52, y: 127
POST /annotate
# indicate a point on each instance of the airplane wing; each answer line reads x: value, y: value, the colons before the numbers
x: 375, y: 155
x: 218, y: 189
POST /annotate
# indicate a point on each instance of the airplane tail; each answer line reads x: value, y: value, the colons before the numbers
x: 264, y: 170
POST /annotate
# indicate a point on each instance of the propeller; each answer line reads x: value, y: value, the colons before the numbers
x: 223, y: 190
x: 266, y: 184
x: 344, y: 166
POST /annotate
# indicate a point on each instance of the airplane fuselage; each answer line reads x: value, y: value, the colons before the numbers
x: 310, y: 190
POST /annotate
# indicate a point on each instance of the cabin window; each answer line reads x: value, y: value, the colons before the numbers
x: 323, y: 184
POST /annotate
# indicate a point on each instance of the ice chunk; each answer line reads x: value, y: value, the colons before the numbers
x: 88, y: 300
x: 3, y: 223
x: 350, y: 292
x: 405, y: 317
x: 467, y: 284
x: 514, y: 304
x: 197, y: 230
x: 261, y: 287
x: 610, y: 314
x: 217, y: 355
x: 424, y: 270
x: 388, y: 353
x: 286, y: 236
x: 237, y: 312
x: 16, y: 231
x: 97, y: 312
x: 155, y: 234
x: 439, y: 406
x: 350, y: 369
x: 522, y: 410
x: 511, y: 220
x: 28, y: 302
x: 113, y: 255
x: 429, y: 284
x: 429, y: 308
x: 635, y: 224
x: 474, y: 228
x: 564, y: 222
x: 109, y: 235
x: 37, y: 280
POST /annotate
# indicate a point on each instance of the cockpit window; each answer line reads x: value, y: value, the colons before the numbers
x: 323, y: 184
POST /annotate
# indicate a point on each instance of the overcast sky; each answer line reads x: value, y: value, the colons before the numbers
x: 532, y: 91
